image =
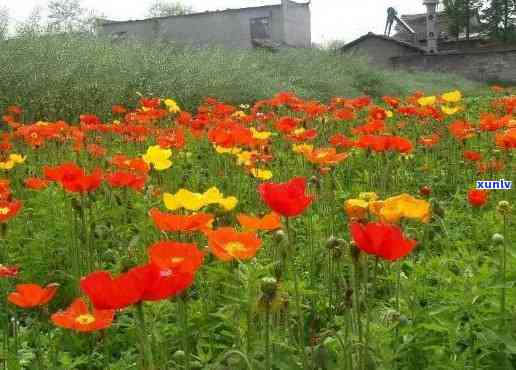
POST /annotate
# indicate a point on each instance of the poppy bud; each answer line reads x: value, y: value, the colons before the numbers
x: 497, y: 239
x: 280, y: 236
x: 332, y: 242
x: 504, y: 207
x: 403, y: 320
x: 178, y: 355
x: 269, y: 286
x: 315, y: 181
x: 425, y: 191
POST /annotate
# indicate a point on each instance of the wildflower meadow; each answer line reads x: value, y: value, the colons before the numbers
x: 283, y: 233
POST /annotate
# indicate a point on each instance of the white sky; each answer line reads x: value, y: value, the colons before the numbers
x: 331, y: 19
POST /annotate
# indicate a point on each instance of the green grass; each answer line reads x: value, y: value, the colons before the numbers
x: 60, y: 77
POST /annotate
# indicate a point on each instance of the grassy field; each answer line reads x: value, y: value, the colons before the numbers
x: 190, y: 214
x: 92, y: 74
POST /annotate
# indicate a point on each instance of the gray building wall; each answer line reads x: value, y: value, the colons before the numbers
x: 485, y: 65
x: 297, y: 24
x: 378, y: 51
x: 289, y: 24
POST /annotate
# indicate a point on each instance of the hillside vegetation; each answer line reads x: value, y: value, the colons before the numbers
x: 91, y: 74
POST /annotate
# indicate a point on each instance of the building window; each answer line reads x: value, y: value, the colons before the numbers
x: 261, y: 28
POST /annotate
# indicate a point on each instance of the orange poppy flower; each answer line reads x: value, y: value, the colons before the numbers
x: 77, y: 317
x: 325, y: 156
x: 178, y: 257
x: 9, y: 209
x: 269, y: 222
x: 32, y: 295
x: 227, y: 244
x: 170, y: 222
x: 461, y: 130
x: 36, y: 183
x: 429, y: 140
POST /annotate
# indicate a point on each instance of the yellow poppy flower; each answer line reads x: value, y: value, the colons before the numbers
x: 261, y: 174
x: 7, y: 165
x: 450, y: 110
x: 260, y: 135
x: 302, y: 148
x: 172, y: 106
x: 406, y: 206
x: 356, y: 208
x: 452, y: 96
x: 228, y: 203
x: 245, y: 157
x: 222, y: 150
x: 184, y: 199
x: 17, y: 158
x: 158, y: 157
x: 427, y: 100
x: 239, y: 114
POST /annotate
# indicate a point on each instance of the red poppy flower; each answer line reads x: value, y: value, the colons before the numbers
x: 118, y: 109
x: 9, y: 209
x: 107, y: 293
x: 96, y: 150
x: 84, y: 183
x: 36, y: 183
x: 65, y: 172
x: 161, y: 283
x: 170, y: 222
x: 178, y: 257
x: 227, y: 244
x: 339, y: 140
x: 477, y: 197
x: 382, y: 240
x: 77, y: 317
x: 123, y: 179
x: 32, y: 295
x: 472, y: 155
x: 8, y: 271
x: 287, y: 199
x: 344, y: 114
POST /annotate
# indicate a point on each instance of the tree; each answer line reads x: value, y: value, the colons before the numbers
x: 4, y: 22
x: 459, y: 13
x: 33, y: 26
x: 500, y: 22
x: 161, y: 8
x: 65, y: 15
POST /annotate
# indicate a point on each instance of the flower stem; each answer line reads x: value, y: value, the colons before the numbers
x: 148, y: 360
x: 184, y: 323
x: 297, y: 297
x: 504, y: 273
x: 268, y: 337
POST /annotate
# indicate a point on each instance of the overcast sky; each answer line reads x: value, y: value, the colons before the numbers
x: 331, y: 19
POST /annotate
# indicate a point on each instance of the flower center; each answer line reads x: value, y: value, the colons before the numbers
x: 177, y: 260
x: 4, y: 211
x: 85, y: 319
x: 233, y: 248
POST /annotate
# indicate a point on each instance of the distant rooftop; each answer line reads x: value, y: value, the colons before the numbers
x: 228, y: 10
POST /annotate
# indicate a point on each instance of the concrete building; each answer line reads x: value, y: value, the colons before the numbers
x: 284, y: 24
x: 424, y: 44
